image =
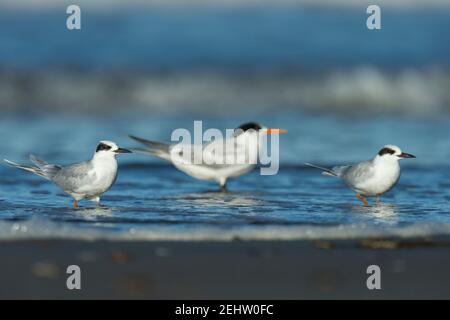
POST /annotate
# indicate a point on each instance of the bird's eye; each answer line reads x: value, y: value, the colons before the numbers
x: 102, y: 147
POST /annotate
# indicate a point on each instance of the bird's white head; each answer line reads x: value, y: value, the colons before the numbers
x: 391, y: 152
x: 108, y: 149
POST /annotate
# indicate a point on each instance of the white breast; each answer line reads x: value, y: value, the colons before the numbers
x: 104, y: 174
x: 385, y: 176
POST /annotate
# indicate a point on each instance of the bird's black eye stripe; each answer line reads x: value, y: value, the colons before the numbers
x: 386, y: 151
x: 102, y: 147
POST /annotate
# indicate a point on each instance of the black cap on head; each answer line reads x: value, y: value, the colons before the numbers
x: 250, y: 126
x: 102, y: 147
x: 386, y: 151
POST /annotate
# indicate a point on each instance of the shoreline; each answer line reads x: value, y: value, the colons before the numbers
x: 296, y: 269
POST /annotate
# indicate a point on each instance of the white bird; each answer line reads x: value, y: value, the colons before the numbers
x: 371, y: 178
x: 209, y: 161
x: 84, y: 180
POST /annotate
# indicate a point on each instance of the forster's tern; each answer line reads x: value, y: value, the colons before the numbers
x: 371, y: 178
x: 212, y: 165
x: 84, y: 180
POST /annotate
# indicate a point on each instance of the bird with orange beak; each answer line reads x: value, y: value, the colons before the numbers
x: 217, y: 160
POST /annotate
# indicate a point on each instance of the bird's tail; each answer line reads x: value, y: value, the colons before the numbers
x: 36, y: 170
x: 154, y: 148
x: 49, y: 170
x: 326, y: 172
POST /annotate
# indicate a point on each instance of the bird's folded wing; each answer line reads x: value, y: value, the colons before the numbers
x: 75, y: 177
x: 224, y: 153
x: 357, y: 173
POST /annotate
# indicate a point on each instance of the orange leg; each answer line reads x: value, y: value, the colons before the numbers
x: 75, y: 204
x: 364, y: 200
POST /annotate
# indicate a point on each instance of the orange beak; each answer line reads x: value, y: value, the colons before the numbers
x: 274, y: 130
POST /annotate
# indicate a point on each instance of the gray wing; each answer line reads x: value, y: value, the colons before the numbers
x: 211, y: 155
x: 74, y: 177
x: 355, y: 174
x: 222, y: 153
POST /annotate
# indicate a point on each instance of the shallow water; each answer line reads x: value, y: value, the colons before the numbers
x: 152, y: 200
x: 147, y: 72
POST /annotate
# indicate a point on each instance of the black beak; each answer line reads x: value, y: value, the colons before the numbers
x: 406, y: 155
x: 122, y: 150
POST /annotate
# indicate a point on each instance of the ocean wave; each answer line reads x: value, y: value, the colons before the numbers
x: 359, y: 89
x: 41, y: 229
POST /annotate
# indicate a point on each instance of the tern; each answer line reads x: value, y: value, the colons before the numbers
x: 371, y: 178
x: 84, y: 180
x: 212, y: 165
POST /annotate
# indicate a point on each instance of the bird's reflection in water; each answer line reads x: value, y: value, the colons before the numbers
x: 95, y: 212
x: 219, y: 199
x: 381, y: 212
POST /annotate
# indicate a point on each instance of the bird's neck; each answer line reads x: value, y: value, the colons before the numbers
x: 104, y: 160
x: 386, y: 161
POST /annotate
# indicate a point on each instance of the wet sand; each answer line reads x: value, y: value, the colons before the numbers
x: 413, y: 269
